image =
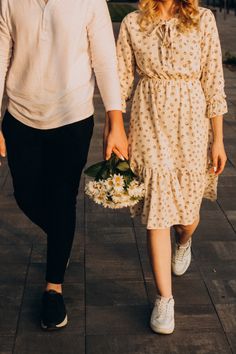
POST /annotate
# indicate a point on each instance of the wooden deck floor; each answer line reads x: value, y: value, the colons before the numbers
x: 109, y: 289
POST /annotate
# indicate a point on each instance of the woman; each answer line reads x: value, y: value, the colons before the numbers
x: 49, y: 51
x: 175, y: 138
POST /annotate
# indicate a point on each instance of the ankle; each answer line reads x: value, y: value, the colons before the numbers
x: 184, y: 244
x: 181, y: 238
x: 53, y: 286
x: 166, y: 297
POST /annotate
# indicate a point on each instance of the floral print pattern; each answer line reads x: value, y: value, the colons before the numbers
x: 180, y: 87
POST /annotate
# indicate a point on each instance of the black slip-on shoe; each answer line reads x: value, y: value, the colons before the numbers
x: 53, y: 315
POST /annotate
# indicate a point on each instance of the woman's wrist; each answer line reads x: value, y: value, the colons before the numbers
x: 217, y: 127
x: 218, y: 140
x: 115, y: 119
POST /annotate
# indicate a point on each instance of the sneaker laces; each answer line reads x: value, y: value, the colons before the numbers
x: 164, y: 308
x: 181, y: 251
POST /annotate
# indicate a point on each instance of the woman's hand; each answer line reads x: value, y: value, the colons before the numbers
x: 117, y: 143
x: 115, y: 139
x: 2, y: 146
x: 219, y: 157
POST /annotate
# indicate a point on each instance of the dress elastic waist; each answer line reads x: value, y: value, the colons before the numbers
x: 163, y: 79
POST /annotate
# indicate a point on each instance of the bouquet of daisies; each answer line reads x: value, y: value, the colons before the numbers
x: 115, y: 185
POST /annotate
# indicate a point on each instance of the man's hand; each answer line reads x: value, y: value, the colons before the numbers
x: 2, y: 146
x: 115, y: 139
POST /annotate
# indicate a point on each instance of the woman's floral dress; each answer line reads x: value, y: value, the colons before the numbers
x: 180, y: 87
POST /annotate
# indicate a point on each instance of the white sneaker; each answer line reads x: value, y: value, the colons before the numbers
x: 181, y: 257
x: 162, y: 318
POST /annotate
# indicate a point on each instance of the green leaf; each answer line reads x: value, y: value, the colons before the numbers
x: 113, y: 162
x: 106, y: 168
x: 123, y: 166
x: 128, y: 179
x: 93, y: 170
x: 103, y: 173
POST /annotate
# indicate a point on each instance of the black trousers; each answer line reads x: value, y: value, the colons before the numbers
x: 46, y: 167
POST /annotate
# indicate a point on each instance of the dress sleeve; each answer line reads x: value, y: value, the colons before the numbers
x: 212, y: 77
x: 126, y: 64
x: 6, y: 45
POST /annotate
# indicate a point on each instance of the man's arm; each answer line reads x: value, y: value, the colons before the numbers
x: 6, y: 45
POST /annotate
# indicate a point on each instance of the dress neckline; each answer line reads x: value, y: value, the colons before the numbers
x: 171, y: 19
x: 155, y: 26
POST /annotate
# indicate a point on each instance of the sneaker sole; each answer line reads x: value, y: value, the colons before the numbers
x: 58, y: 326
x: 162, y: 330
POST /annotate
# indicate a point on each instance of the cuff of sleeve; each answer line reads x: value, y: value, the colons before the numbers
x: 123, y: 104
x: 216, y: 107
x: 113, y: 107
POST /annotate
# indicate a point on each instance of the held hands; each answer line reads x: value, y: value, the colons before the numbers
x: 2, y: 146
x: 219, y: 157
x: 114, y: 137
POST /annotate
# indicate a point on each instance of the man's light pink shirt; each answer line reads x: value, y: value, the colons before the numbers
x: 50, y: 55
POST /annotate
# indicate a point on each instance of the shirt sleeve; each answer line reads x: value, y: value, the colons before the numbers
x: 212, y: 77
x: 126, y: 64
x: 103, y: 55
x: 6, y: 45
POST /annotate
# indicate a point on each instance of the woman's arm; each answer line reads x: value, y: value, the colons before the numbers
x: 104, y: 63
x: 114, y: 136
x: 219, y: 157
x: 126, y: 71
x: 126, y: 62
x: 212, y: 80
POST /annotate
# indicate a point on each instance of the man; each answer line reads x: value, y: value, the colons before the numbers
x: 49, y: 52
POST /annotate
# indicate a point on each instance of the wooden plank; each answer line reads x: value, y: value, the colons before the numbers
x: 115, y: 292
x: 6, y: 344
x: 50, y: 343
x: 10, y: 303
x: 180, y: 342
